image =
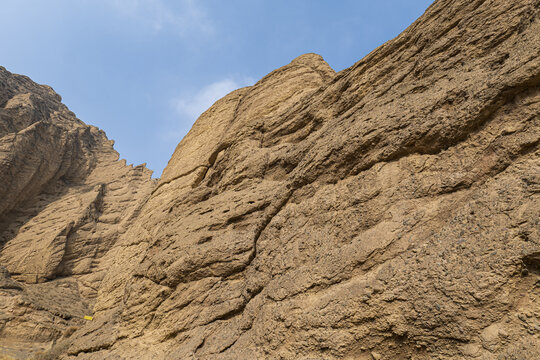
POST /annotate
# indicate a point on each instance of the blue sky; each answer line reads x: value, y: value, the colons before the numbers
x: 143, y: 70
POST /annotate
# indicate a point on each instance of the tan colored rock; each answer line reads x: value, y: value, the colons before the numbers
x: 387, y: 211
x: 65, y: 200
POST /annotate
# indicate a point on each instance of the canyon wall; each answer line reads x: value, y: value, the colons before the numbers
x: 387, y: 211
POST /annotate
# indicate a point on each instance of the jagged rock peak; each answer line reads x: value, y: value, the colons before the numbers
x: 64, y: 201
x: 387, y: 211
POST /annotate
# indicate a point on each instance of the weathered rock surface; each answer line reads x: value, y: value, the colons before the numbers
x: 388, y: 211
x: 65, y: 200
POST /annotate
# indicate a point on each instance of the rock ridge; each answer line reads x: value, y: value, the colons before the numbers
x: 387, y: 211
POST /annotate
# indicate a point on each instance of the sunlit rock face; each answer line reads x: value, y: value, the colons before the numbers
x: 387, y: 211
x: 65, y: 200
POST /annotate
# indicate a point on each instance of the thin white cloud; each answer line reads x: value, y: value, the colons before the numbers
x: 188, y: 108
x: 181, y: 16
x: 194, y: 105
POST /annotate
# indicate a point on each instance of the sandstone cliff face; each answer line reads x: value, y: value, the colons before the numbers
x: 388, y: 211
x: 65, y: 200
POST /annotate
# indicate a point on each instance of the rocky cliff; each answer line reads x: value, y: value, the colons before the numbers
x: 388, y: 211
x: 65, y: 199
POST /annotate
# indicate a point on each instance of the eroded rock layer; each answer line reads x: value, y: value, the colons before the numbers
x: 388, y: 211
x: 64, y: 201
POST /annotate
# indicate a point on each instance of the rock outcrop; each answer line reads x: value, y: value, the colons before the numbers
x: 65, y: 201
x: 387, y: 211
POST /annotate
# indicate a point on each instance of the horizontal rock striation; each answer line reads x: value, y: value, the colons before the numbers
x: 65, y: 200
x: 387, y: 211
